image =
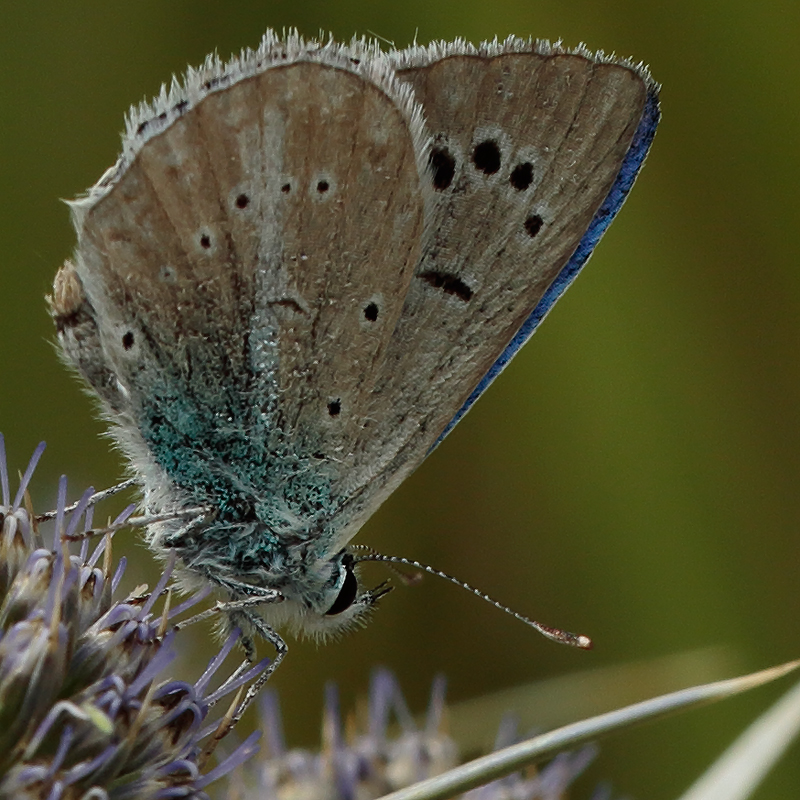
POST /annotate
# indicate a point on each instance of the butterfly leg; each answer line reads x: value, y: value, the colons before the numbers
x: 93, y: 500
x: 181, y: 538
x: 252, y: 620
x: 241, y: 615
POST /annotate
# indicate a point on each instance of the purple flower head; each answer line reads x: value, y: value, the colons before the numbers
x: 387, y: 751
x: 85, y: 711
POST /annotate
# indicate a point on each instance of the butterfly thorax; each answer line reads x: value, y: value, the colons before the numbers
x: 276, y: 538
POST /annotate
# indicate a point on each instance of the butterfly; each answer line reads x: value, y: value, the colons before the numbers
x: 306, y: 266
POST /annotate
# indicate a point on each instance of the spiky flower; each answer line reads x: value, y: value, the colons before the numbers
x: 380, y: 758
x: 83, y: 714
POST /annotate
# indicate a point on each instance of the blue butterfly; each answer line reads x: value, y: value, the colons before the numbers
x: 307, y: 265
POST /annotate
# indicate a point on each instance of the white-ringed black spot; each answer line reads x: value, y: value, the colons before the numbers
x: 444, y: 167
x: 533, y: 225
x: 286, y: 188
x: 371, y: 312
x: 486, y: 157
x: 448, y: 283
x: 127, y: 340
x: 334, y: 407
x: 323, y: 187
x: 205, y: 241
x: 242, y: 201
x: 522, y: 176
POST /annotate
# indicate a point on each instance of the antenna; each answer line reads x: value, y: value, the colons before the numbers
x: 555, y: 634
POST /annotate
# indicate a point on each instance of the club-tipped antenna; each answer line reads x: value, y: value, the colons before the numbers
x: 555, y: 634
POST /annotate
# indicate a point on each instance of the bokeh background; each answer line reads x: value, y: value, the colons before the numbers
x: 633, y: 475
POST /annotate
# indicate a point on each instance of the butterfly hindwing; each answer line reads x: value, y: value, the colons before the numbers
x: 243, y: 307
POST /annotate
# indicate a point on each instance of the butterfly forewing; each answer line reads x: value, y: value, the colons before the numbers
x: 277, y: 224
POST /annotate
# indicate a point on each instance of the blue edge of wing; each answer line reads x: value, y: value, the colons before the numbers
x: 634, y: 159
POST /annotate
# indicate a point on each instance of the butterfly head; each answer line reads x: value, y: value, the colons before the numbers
x: 318, y: 596
x: 328, y: 601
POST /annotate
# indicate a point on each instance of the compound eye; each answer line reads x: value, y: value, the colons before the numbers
x: 347, y: 594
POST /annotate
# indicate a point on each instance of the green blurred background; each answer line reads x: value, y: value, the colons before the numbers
x: 634, y: 475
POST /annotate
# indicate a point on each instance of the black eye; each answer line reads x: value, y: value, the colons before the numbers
x: 347, y: 594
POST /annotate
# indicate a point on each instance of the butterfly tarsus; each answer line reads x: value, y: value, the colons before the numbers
x: 281, y: 649
x: 239, y: 613
x: 134, y: 522
x: 93, y: 500
x: 230, y: 606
